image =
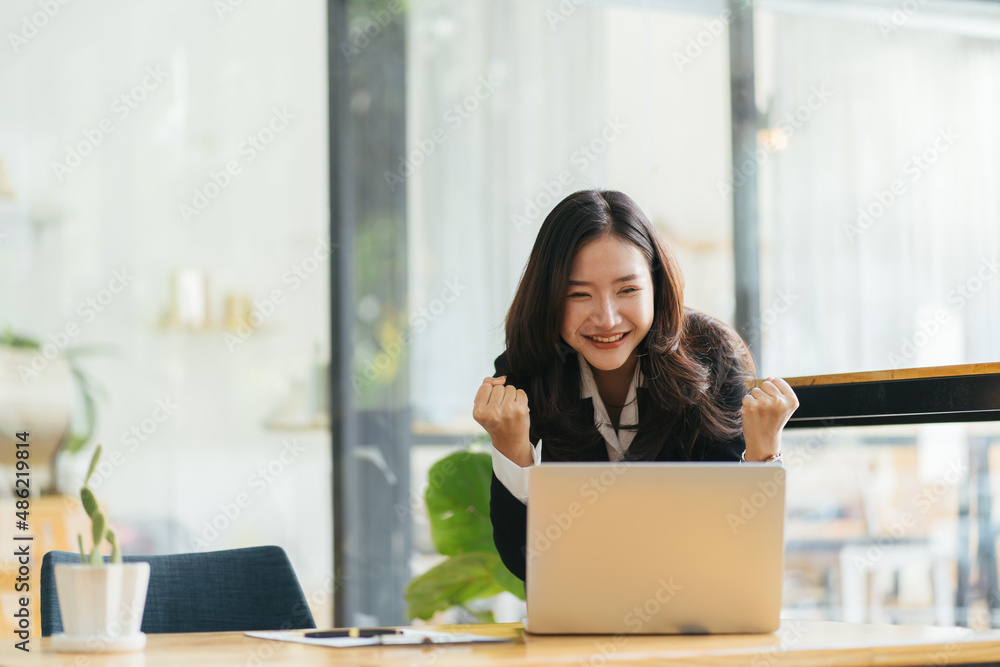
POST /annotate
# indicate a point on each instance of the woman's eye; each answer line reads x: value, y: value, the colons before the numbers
x: 576, y: 295
x: 628, y: 290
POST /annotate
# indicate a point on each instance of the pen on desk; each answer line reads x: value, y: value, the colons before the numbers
x: 352, y: 633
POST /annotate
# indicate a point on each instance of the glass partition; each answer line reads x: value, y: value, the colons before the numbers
x: 878, y: 201
x: 891, y: 524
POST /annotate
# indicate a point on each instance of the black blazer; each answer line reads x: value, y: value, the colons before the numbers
x: 510, y: 516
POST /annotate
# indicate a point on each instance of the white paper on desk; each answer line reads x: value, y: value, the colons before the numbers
x: 406, y: 637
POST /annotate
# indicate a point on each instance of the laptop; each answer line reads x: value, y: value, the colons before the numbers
x: 654, y: 548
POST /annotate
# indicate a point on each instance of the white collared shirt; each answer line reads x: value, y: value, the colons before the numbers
x: 515, y: 478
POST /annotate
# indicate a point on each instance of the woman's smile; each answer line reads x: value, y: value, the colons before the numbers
x: 607, y: 341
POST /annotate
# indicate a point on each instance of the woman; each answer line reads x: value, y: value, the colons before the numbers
x: 603, y: 362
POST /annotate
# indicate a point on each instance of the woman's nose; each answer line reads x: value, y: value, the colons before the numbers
x: 606, y: 315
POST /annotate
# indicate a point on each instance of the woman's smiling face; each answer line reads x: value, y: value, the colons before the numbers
x: 609, y: 302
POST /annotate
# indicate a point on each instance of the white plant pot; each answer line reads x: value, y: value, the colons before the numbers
x: 101, y: 606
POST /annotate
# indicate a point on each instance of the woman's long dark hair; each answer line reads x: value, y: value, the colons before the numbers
x: 687, y: 357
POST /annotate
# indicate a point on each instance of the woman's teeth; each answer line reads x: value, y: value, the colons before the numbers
x: 599, y: 339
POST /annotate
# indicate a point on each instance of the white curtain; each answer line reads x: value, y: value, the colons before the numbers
x: 881, y: 216
x: 474, y: 206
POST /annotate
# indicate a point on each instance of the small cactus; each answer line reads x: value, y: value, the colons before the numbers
x: 100, y: 529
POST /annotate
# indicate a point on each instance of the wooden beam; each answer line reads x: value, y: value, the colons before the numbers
x: 888, y: 375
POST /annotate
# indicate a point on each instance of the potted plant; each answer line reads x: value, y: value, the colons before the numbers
x: 44, y: 389
x: 101, y: 603
x: 458, y: 504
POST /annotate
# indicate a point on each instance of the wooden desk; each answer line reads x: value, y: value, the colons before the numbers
x: 798, y: 643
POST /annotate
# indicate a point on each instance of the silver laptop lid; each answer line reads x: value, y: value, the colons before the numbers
x: 654, y: 548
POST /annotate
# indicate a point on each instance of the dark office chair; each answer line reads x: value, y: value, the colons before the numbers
x: 215, y: 591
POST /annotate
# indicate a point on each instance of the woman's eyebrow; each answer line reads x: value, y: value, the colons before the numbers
x: 623, y: 279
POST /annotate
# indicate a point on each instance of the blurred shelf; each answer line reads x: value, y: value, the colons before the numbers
x: 318, y: 424
x: 459, y: 432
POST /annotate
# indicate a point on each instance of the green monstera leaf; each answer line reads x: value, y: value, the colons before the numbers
x: 458, y: 581
x: 454, y: 582
x: 458, y: 503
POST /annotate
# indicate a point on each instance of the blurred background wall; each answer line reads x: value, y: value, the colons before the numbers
x: 160, y: 161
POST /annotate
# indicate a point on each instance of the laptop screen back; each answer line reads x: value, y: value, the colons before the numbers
x: 654, y: 548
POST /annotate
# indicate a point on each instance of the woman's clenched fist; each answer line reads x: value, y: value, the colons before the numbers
x: 502, y: 410
x: 766, y: 410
